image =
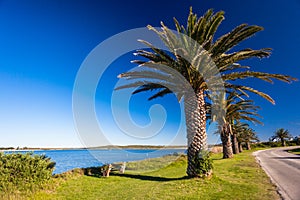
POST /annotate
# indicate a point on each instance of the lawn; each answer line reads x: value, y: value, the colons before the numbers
x: 237, y: 178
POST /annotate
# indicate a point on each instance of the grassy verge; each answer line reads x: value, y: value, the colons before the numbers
x: 295, y: 151
x: 237, y: 178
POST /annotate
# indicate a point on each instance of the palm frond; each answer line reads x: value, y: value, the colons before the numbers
x: 135, y: 84
x: 226, y: 60
x: 260, y: 75
x: 160, y: 94
x: 245, y: 89
x: 218, y: 47
x: 148, y: 87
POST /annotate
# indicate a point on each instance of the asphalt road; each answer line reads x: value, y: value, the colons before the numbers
x: 284, y: 170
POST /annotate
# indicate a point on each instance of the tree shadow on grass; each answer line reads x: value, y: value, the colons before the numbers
x: 92, y: 171
x: 149, y: 178
x: 219, y: 158
x: 97, y: 173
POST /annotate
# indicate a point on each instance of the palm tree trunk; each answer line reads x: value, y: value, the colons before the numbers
x: 226, y: 141
x: 195, y: 116
x: 248, y: 146
x: 282, y: 142
x: 240, y: 147
x: 235, y: 146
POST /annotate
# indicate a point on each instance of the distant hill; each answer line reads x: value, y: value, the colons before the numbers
x: 138, y: 147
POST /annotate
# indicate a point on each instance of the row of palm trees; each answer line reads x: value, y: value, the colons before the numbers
x: 223, y: 53
x: 246, y: 135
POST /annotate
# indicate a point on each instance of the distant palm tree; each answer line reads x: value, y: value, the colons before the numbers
x: 246, y: 111
x: 282, y: 134
x: 220, y: 50
x: 247, y: 135
x: 238, y: 129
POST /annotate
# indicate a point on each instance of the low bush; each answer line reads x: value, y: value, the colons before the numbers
x: 293, y: 143
x: 266, y: 144
x: 259, y: 145
x: 203, y: 163
x: 24, y: 172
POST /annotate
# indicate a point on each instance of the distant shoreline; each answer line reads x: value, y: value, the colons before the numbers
x: 95, y: 148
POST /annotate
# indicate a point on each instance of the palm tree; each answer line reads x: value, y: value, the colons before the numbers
x: 201, y: 30
x: 237, y: 108
x: 247, y: 135
x: 282, y: 134
x: 224, y: 126
x: 238, y: 129
x: 243, y: 110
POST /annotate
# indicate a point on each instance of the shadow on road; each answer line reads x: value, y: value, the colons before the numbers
x: 286, y: 158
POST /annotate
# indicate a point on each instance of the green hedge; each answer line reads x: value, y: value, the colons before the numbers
x: 24, y: 172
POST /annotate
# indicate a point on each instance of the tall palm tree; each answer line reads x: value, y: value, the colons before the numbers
x: 282, y: 134
x: 201, y: 30
x: 237, y: 109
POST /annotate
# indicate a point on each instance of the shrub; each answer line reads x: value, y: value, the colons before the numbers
x: 292, y: 143
x: 203, y: 163
x: 24, y: 172
x: 260, y: 145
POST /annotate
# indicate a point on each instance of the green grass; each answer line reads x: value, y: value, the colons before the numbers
x: 237, y: 178
x: 295, y: 151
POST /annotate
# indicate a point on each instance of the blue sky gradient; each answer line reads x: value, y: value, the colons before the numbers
x: 43, y: 44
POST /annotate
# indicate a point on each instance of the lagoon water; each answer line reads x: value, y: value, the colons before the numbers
x: 78, y: 158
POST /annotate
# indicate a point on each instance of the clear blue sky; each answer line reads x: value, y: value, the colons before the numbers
x: 43, y: 43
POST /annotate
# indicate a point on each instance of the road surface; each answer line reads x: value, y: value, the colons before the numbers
x: 284, y: 170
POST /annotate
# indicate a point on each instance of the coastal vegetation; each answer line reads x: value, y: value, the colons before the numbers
x: 24, y: 172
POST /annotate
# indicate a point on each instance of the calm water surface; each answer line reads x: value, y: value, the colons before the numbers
x: 70, y: 159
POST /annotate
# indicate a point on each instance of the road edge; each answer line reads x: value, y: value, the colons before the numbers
x: 282, y: 194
